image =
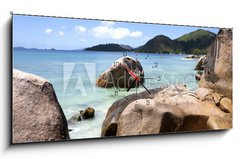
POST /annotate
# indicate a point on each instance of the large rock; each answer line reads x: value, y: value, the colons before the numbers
x: 36, y: 113
x: 218, y: 68
x: 118, y: 76
x: 167, y: 109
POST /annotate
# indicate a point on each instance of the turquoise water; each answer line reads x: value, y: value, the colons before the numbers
x: 73, y: 75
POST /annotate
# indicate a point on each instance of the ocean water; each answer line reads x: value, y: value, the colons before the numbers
x: 73, y: 75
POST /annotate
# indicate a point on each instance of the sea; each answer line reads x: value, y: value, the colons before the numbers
x: 73, y: 75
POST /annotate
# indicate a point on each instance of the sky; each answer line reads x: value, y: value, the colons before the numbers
x: 69, y: 34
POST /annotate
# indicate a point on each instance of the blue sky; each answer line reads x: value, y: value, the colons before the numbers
x: 67, y: 34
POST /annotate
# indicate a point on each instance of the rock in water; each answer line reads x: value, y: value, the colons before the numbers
x: 118, y: 76
x: 201, y: 63
x: 169, y: 109
x: 75, y: 118
x: 87, y: 113
x: 36, y: 113
x: 192, y: 56
x: 218, y: 68
x: 83, y: 114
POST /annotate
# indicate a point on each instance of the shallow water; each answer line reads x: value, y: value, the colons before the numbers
x: 73, y: 75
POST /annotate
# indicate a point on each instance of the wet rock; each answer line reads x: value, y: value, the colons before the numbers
x: 83, y: 114
x: 87, y: 113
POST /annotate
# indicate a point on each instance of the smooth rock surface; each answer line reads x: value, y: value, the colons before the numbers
x: 169, y: 109
x: 226, y: 105
x: 118, y: 76
x: 216, y: 122
x: 36, y: 113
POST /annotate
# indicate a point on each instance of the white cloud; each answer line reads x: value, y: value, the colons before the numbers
x: 83, y: 40
x: 61, y: 33
x: 48, y: 31
x: 114, y: 33
x: 135, y: 34
x: 119, y: 33
x: 107, y: 23
x: 80, y: 29
x: 101, y: 31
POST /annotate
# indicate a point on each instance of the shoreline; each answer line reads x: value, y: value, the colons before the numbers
x: 79, y: 51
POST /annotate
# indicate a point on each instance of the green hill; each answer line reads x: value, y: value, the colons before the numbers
x: 196, y: 42
x: 109, y: 47
x: 159, y: 44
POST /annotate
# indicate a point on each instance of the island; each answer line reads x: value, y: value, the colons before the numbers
x: 195, y: 42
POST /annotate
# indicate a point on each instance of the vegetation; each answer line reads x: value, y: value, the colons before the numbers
x: 195, y: 42
x: 109, y: 47
x: 159, y: 44
x: 198, y: 51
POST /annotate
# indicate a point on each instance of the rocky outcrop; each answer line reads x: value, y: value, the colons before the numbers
x: 201, y: 63
x: 118, y: 76
x: 167, y: 109
x: 36, y: 113
x: 175, y: 108
x: 218, y: 67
